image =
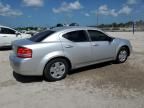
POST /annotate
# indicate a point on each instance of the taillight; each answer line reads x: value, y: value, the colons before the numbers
x: 23, y: 52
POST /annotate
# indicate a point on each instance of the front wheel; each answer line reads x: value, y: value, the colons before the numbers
x: 56, y: 69
x: 122, y: 55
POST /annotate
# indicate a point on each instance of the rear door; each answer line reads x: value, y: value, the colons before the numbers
x: 77, y: 47
x: 7, y: 36
x: 102, y: 46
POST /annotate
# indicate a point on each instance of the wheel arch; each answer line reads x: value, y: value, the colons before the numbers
x: 61, y: 57
x: 124, y: 46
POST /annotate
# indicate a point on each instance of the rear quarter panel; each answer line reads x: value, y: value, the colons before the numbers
x: 42, y: 53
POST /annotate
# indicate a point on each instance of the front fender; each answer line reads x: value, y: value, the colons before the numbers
x: 121, y: 43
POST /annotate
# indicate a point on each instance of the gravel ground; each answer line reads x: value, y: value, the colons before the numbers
x: 104, y: 85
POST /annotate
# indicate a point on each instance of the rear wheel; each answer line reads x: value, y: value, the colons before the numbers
x: 122, y: 55
x: 56, y: 69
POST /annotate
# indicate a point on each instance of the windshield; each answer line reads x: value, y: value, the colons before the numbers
x: 41, y: 36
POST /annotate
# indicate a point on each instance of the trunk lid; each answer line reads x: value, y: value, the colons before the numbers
x: 20, y: 43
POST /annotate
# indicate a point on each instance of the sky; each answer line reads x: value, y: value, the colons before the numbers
x: 17, y: 13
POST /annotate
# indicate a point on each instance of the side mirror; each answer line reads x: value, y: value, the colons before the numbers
x: 110, y: 39
x: 18, y: 33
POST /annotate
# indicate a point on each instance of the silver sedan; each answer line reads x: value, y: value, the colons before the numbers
x: 54, y: 52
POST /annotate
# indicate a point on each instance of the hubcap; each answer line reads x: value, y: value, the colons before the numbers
x: 122, y: 55
x: 57, y: 69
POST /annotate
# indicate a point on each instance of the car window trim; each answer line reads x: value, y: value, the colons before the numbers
x: 88, y: 39
x: 8, y: 29
x: 97, y: 31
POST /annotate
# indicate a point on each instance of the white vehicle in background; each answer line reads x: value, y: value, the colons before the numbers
x: 31, y: 32
x: 8, y: 35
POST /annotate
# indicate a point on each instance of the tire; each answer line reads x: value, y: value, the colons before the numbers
x: 122, y: 55
x: 56, y: 69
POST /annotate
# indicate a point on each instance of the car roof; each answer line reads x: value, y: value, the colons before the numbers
x: 75, y: 28
x: 7, y: 27
x: 58, y: 29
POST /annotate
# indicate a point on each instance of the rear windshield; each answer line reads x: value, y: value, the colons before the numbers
x: 41, y: 36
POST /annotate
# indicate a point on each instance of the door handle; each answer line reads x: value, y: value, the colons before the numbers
x: 4, y: 36
x: 69, y: 46
x: 95, y: 44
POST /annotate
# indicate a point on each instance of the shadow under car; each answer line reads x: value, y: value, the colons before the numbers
x: 30, y: 79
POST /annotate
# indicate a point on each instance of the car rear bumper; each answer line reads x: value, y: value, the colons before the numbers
x: 23, y: 66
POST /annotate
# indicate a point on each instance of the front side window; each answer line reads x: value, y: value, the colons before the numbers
x: 76, y: 36
x: 97, y: 35
x: 7, y: 31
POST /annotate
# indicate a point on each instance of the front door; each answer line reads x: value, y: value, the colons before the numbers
x: 102, y: 46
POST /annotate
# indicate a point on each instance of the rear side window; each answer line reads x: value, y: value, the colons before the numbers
x: 6, y: 31
x: 76, y: 36
x: 97, y: 35
x: 41, y: 36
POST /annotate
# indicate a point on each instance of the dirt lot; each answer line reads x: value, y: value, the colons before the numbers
x: 104, y: 85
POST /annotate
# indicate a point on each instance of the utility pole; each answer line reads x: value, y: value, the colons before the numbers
x: 97, y: 15
x: 133, y: 26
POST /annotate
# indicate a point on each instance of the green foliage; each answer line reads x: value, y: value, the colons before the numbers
x: 127, y: 24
